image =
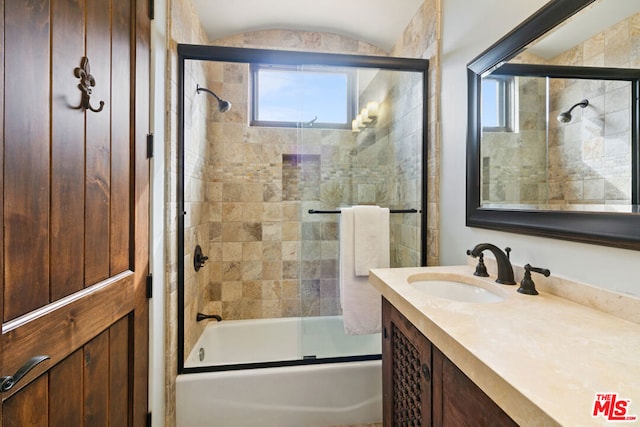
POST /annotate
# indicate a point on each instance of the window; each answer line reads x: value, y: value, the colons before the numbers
x: 321, y: 97
x: 497, y: 104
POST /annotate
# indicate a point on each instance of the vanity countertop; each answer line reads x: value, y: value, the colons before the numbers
x: 541, y: 358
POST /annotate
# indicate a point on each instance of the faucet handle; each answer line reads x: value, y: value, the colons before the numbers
x: 481, y: 269
x: 508, y: 251
x: 527, y: 286
x: 544, y: 271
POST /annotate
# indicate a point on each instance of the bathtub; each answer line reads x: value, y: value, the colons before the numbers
x: 315, y: 395
x: 272, y: 340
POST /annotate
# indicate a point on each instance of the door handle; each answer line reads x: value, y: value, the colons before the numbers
x: 6, y: 383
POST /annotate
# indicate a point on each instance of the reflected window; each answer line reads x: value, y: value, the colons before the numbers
x: 497, y: 104
x: 320, y: 97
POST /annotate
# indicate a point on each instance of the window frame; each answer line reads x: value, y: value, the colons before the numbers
x: 352, y: 101
x: 506, y: 104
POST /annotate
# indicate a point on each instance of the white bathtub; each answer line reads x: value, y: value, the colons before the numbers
x: 272, y: 340
x: 320, y: 395
x: 317, y: 395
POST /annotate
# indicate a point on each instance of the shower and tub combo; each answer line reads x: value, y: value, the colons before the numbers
x: 261, y: 334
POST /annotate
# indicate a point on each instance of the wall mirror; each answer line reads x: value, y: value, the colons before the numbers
x: 552, y: 143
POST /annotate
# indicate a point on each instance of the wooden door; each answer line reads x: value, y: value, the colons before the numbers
x: 74, y: 191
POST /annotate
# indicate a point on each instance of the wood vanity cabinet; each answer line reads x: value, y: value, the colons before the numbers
x: 421, y: 387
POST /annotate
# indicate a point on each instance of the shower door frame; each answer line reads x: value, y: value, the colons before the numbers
x: 282, y: 57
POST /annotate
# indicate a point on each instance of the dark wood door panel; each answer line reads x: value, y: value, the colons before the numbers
x: 26, y: 156
x: 74, y: 218
x: 67, y: 151
x: 65, y: 402
x: 120, y: 137
x: 2, y: 162
x: 96, y: 379
x: 120, y: 372
x: 88, y: 388
x: 97, y: 144
x: 68, y: 218
x: 69, y: 324
x: 29, y: 408
x: 140, y: 222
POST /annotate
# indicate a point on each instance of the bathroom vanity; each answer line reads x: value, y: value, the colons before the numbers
x: 510, y: 360
x: 423, y: 387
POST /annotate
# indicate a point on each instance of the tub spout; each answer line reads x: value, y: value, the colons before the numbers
x: 201, y: 316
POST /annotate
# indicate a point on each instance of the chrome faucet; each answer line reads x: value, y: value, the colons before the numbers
x: 505, y: 270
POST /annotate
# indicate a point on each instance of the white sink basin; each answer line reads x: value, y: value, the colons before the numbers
x: 456, y: 291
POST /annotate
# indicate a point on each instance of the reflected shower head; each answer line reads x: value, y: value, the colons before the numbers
x: 223, y: 106
x: 566, y: 116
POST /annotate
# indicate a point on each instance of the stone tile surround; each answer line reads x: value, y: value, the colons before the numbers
x: 268, y: 256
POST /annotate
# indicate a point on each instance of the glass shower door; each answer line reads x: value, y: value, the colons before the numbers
x: 375, y: 161
x: 246, y: 189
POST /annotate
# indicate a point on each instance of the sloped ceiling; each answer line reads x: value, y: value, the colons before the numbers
x: 378, y: 22
x: 584, y: 25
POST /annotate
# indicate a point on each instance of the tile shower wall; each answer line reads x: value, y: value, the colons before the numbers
x: 267, y: 256
x: 596, y: 142
x: 514, y: 172
x: 197, y: 227
x: 589, y: 159
x: 391, y: 157
x: 262, y: 263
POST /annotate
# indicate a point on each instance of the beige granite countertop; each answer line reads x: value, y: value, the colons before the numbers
x: 541, y: 358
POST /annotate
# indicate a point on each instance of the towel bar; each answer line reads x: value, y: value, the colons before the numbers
x: 313, y: 211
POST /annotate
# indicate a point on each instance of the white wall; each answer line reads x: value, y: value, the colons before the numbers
x: 157, y: 251
x: 468, y: 28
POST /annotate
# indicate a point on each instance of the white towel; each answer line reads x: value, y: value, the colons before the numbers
x: 361, y: 308
x: 370, y: 238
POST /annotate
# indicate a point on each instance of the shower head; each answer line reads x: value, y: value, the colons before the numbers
x: 223, y: 106
x: 566, y: 116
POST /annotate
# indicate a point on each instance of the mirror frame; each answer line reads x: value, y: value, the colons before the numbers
x: 602, y: 228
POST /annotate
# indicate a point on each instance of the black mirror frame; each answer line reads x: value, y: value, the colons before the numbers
x: 609, y: 229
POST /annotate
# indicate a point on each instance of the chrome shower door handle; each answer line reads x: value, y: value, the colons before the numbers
x: 6, y: 383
